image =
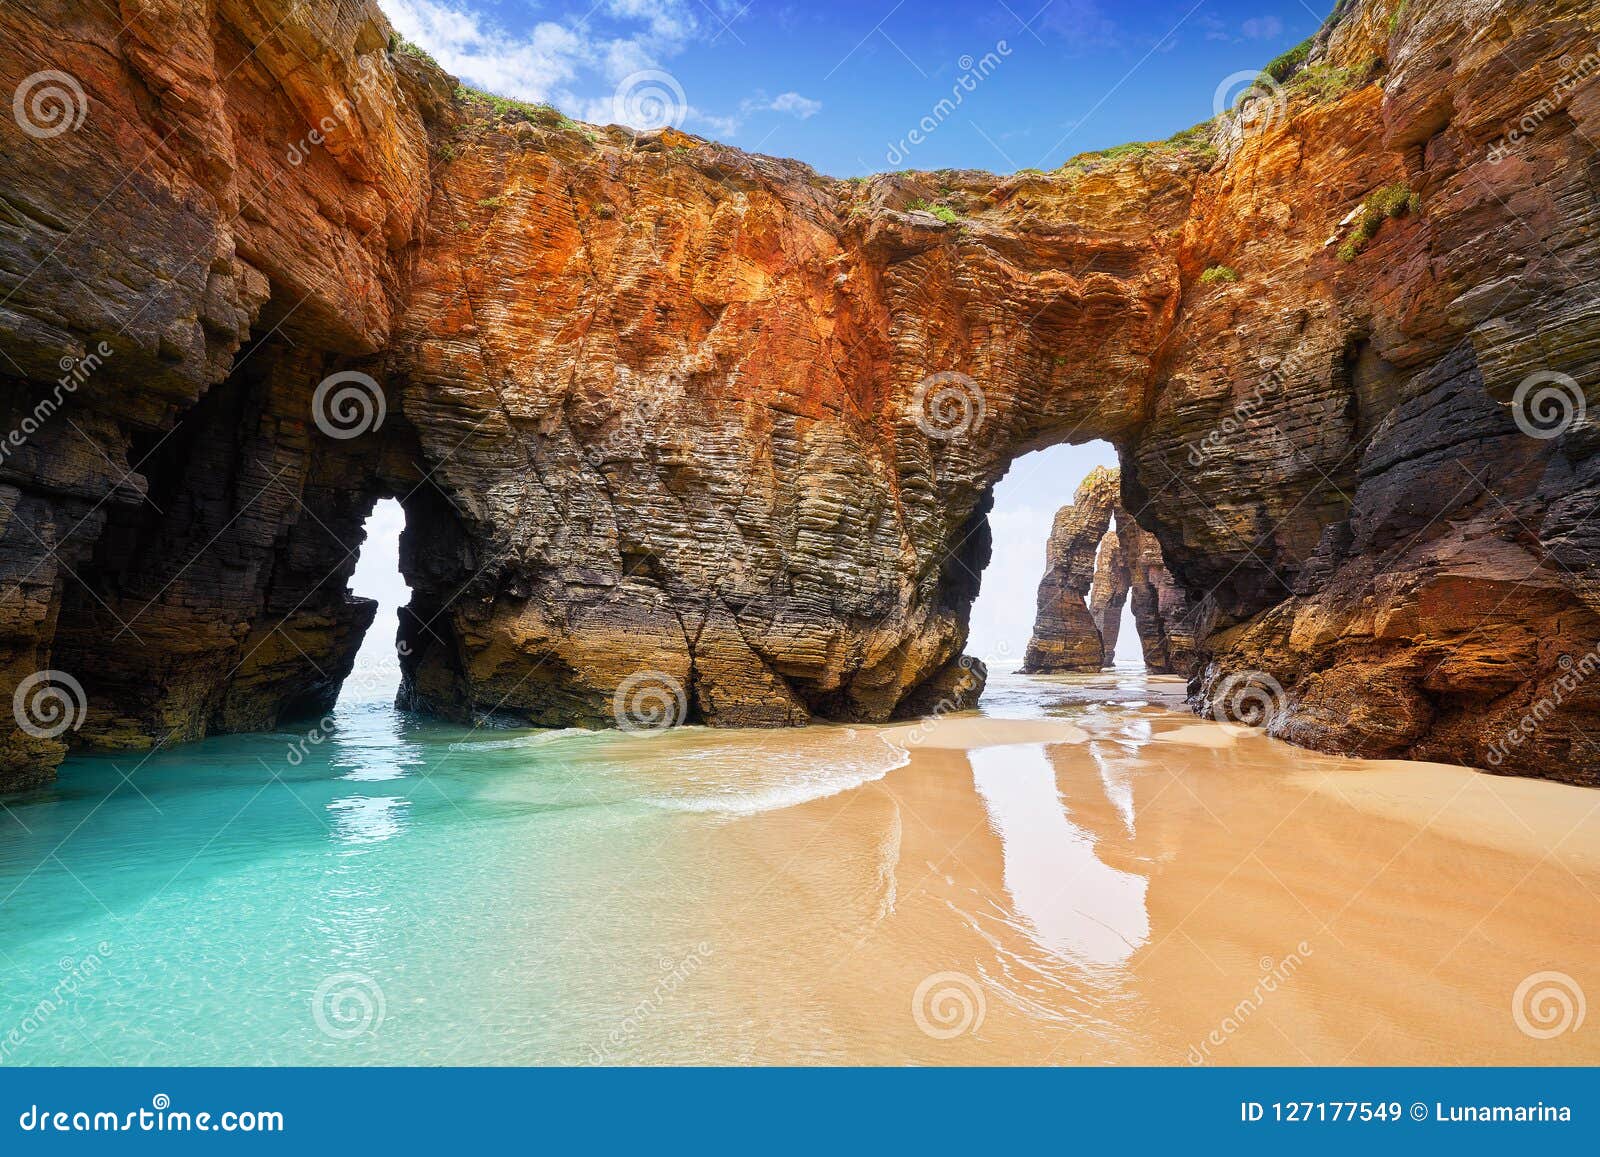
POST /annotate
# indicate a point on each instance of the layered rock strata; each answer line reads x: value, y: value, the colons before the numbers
x: 1066, y: 632
x: 1370, y: 460
x: 687, y: 433
x: 1096, y: 557
x: 1165, y: 621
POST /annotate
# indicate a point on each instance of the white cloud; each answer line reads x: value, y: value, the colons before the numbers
x: 720, y: 126
x: 533, y: 66
x: 579, y: 68
x: 1262, y: 28
x: 789, y: 103
x: 796, y: 105
x: 1081, y: 22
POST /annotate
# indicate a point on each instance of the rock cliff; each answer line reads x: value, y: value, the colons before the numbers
x: 1370, y: 454
x: 687, y: 433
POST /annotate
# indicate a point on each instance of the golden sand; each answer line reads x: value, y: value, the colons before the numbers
x: 1132, y: 885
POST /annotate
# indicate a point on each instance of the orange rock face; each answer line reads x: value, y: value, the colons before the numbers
x: 716, y: 418
x: 1370, y: 459
x: 684, y: 433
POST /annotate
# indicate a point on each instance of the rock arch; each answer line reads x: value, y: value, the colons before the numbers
x: 680, y: 408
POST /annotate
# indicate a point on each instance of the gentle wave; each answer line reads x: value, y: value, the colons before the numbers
x: 533, y: 739
x: 758, y: 773
x: 745, y: 802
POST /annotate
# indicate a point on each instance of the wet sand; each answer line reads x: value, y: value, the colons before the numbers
x: 1126, y: 884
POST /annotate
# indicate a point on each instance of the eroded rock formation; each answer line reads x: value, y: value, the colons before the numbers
x: 1098, y: 555
x: 1371, y: 459
x: 659, y: 409
x: 1161, y: 610
x: 1066, y: 633
x: 1110, y: 592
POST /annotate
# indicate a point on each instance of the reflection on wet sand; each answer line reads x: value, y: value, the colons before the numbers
x: 1157, y: 889
x: 1077, y: 906
x: 1082, y: 873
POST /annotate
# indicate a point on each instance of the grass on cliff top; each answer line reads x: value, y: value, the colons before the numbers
x: 1294, y: 75
x: 1285, y: 66
x: 946, y: 214
x: 399, y: 45
x: 1195, y: 141
x: 1323, y: 82
x: 504, y: 108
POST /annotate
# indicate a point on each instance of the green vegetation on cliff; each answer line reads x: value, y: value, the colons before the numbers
x: 1395, y: 200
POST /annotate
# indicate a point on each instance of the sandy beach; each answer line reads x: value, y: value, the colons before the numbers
x: 1132, y: 885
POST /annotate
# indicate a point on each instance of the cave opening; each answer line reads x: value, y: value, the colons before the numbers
x: 375, y: 678
x: 1025, y: 502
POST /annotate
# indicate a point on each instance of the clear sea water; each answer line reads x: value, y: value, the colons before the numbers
x: 406, y: 892
x: 400, y: 891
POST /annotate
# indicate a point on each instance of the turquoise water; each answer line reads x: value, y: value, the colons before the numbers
x: 398, y: 892
x: 1082, y: 874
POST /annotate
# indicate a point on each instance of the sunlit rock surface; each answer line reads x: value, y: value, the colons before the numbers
x: 1066, y: 632
x: 663, y: 414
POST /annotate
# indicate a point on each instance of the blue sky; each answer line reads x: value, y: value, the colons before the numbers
x: 841, y: 85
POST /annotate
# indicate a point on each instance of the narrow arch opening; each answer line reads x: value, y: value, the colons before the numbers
x: 1025, y: 503
x: 375, y: 678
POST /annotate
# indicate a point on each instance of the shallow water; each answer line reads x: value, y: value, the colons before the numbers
x: 1082, y: 873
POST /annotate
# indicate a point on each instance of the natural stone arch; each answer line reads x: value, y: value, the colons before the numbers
x: 752, y: 450
x: 780, y: 532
